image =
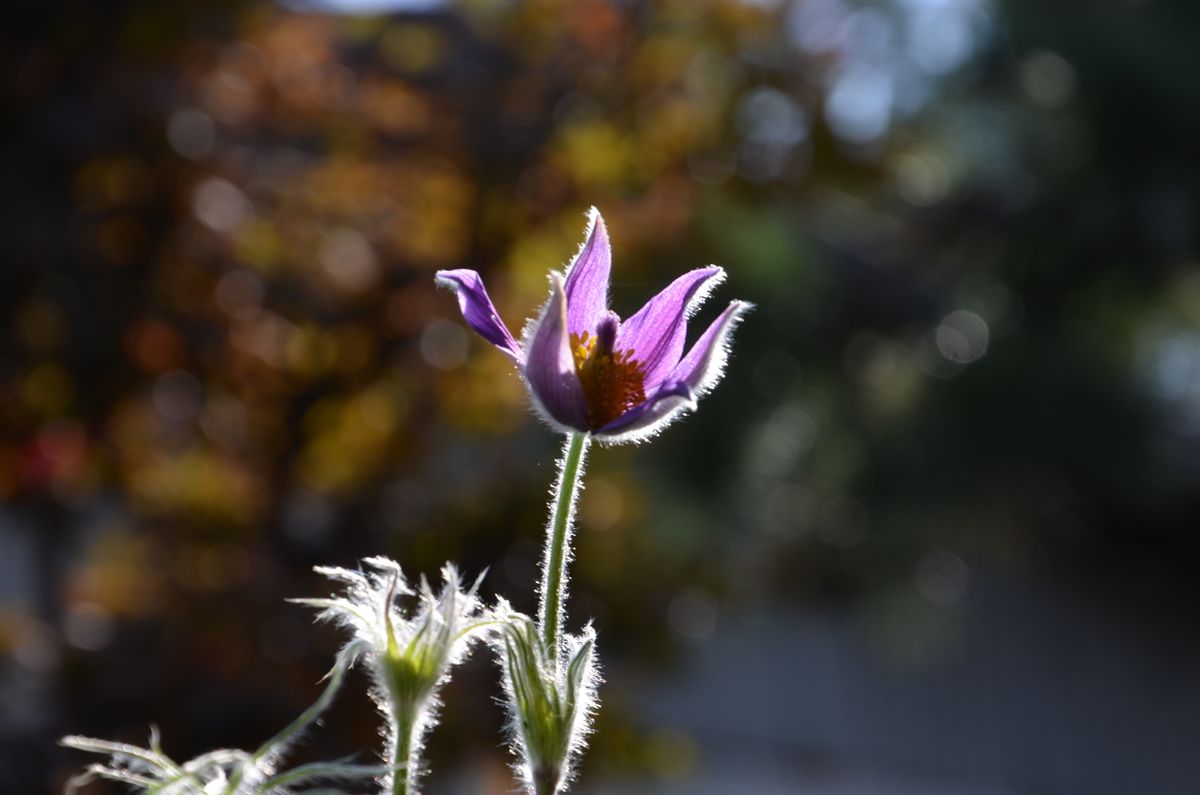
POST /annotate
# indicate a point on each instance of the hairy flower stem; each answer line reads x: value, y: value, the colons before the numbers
x: 554, y: 581
x: 545, y: 781
x: 401, y: 753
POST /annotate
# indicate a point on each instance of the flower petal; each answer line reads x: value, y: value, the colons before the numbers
x: 478, y: 311
x: 667, y: 403
x: 587, y: 278
x: 550, y: 366
x: 704, y: 364
x: 657, y: 332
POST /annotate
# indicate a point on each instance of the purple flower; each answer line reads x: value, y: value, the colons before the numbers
x: 590, y: 372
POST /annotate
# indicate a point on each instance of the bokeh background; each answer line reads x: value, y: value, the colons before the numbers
x: 934, y: 533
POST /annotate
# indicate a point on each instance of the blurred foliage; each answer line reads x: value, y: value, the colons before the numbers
x: 970, y: 228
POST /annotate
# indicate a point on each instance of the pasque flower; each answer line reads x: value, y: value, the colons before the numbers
x: 590, y: 375
x: 590, y: 372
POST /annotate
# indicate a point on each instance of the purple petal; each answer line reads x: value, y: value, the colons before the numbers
x: 587, y: 278
x: 644, y: 420
x: 704, y: 364
x: 550, y: 366
x: 657, y: 332
x: 478, y: 311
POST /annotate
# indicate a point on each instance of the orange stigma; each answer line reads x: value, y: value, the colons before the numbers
x: 612, y: 380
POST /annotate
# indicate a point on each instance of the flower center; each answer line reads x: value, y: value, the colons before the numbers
x: 612, y: 380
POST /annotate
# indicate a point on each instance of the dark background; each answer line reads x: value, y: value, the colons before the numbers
x: 935, y: 532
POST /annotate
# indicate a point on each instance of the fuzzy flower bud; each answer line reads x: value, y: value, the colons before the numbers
x: 409, y: 655
x: 550, y: 701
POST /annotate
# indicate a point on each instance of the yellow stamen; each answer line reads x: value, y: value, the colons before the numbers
x: 612, y: 380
